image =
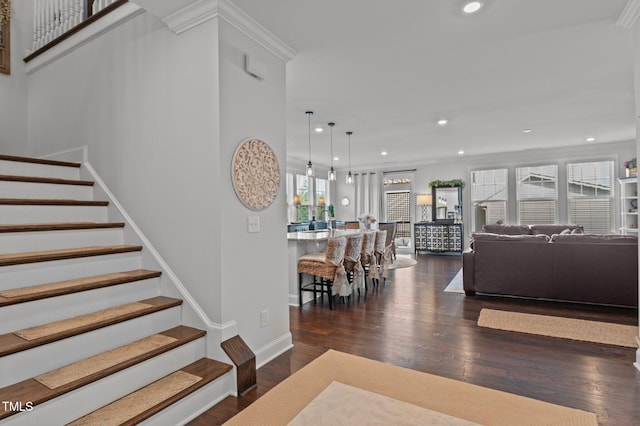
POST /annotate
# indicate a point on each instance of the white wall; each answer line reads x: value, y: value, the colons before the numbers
x: 254, y: 265
x: 13, y: 87
x: 162, y: 115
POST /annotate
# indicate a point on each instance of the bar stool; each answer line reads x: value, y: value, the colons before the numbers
x: 367, y: 254
x: 380, y: 262
x: 327, y: 266
x: 352, y: 266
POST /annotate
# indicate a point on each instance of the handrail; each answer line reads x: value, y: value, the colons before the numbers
x: 56, y: 20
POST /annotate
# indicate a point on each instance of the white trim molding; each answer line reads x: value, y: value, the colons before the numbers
x: 103, y: 25
x: 629, y: 15
x: 200, y: 11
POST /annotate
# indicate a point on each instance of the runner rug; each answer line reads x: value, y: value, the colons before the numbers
x: 566, y: 328
x: 311, y: 391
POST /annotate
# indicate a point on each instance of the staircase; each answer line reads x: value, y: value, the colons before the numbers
x: 86, y: 337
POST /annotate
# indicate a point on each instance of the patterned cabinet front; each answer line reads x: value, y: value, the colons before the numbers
x: 439, y: 238
x: 420, y: 235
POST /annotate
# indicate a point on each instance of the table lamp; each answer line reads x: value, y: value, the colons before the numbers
x: 424, y: 200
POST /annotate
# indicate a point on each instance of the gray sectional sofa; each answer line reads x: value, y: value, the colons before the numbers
x: 550, y: 262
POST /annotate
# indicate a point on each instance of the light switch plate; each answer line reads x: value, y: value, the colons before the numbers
x: 253, y: 224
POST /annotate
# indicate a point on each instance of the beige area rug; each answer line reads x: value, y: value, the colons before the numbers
x: 140, y: 401
x: 340, y: 403
x: 453, y: 398
x: 566, y: 328
x: 402, y: 261
x: 79, y: 321
x: 88, y: 366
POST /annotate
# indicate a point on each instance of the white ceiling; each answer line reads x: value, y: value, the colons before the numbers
x: 388, y: 70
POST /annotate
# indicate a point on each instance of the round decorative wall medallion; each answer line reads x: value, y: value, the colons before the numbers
x: 255, y: 174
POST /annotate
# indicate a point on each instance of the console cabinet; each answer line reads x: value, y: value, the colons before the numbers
x: 438, y: 238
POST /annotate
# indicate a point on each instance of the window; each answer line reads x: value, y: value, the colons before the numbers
x: 489, y: 197
x: 590, y: 194
x: 322, y: 198
x: 303, y: 201
x: 536, y: 190
x: 398, y: 209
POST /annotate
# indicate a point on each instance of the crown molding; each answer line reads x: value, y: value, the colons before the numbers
x: 629, y: 15
x: 201, y: 11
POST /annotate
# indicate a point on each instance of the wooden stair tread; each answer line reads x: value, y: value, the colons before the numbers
x: 145, y: 402
x: 38, y: 179
x: 97, y: 367
x: 36, y: 292
x: 60, y: 226
x: 62, y: 254
x: 50, y: 202
x: 39, y: 161
x: 12, y: 342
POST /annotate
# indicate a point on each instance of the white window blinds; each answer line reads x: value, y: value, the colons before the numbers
x: 489, y: 197
x: 537, y: 193
x: 590, y: 192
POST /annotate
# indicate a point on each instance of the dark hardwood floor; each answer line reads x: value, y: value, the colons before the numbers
x: 412, y: 322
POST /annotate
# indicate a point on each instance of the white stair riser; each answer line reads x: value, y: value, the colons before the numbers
x: 188, y: 408
x: 17, y: 276
x: 25, y: 315
x: 11, y: 189
x: 17, y: 242
x: 23, y: 365
x: 19, y: 168
x: 78, y: 403
x: 19, y: 214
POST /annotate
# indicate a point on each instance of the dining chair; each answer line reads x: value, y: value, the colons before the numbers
x: 367, y: 254
x: 352, y: 265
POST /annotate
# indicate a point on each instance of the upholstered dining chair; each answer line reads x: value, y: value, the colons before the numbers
x: 390, y: 244
x: 380, y: 263
x: 326, y: 266
x: 367, y: 254
x: 352, y: 224
x: 352, y: 266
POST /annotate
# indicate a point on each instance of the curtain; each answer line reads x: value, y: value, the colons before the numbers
x: 368, y: 194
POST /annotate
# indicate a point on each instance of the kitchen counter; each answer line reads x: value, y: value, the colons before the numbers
x: 320, y: 234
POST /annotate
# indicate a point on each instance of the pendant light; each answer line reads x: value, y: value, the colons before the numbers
x: 332, y: 171
x: 349, y: 175
x: 309, y: 165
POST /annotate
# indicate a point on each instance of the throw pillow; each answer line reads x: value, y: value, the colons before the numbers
x: 577, y: 231
x: 566, y: 231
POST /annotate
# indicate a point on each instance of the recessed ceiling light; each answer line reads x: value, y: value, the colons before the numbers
x: 318, y: 129
x: 527, y: 131
x: 472, y: 6
x: 461, y: 152
x: 383, y: 153
x: 591, y: 139
x: 443, y: 122
x: 336, y: 158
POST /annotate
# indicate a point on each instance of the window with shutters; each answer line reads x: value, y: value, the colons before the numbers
x: 537, y: 194
x: 590, y: 195
x: 488, y: 197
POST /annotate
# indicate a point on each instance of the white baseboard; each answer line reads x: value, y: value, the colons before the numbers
x: 273, y: 349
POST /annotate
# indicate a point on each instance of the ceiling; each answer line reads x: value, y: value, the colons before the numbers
x: 389, y: 70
